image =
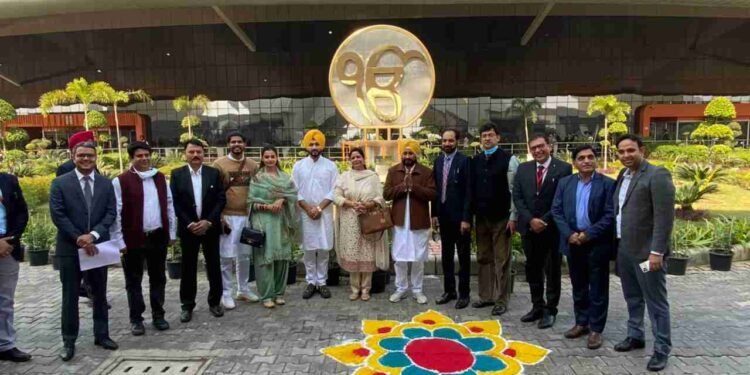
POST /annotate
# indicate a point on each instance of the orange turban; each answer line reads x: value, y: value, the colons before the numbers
x: 410, y: 144
x: 316, y: 135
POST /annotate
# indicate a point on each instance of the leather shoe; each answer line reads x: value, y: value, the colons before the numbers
x: 462, y: 303
x: 137, y: 329
x: 594, y: 341
x: 217, y: 311
x: 657, y: 362
x: 106, y: 343
x: 547, y: 321
x: 499, y: 310
x: 324, y: 292
x: 576, y: 332
x: 532, y: 316
x: 14, y: 355
x: 186, y: 316
x: 160, y: 324
x: 68, y: 351
x: 445, y: 298
x: 310, y: 289
x: 629, y: 344
x: 480, y: 304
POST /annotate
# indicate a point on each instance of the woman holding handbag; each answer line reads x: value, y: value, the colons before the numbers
x: 358, y: 193
x: 272, y: 200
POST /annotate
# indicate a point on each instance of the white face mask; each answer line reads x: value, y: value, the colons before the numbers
x: 147, y: 174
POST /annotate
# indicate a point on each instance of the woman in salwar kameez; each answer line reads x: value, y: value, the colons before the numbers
x: 272, y: 198
x: 357, y: 191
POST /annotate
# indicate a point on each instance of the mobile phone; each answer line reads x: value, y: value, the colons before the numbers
x: 645, y: 266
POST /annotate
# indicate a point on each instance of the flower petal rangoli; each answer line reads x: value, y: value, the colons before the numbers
x: 434, y: 344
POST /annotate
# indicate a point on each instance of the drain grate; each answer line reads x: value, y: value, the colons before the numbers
x: 160, y: 366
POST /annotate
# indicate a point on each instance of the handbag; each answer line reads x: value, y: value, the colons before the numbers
x: 251, y: 236
x: 375, y: 221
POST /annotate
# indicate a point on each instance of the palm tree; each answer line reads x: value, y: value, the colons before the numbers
x: 115, y: 97
x: 193, y: 107
x: 614, y: 111
x: 76, y: 91
x: 528, y: 111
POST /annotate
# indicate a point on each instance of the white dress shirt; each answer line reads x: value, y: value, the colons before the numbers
x: 151, y: 209
x: 626, y: 178
x: 83, y: 184
x: 197, y: 178
x: 546, y: 167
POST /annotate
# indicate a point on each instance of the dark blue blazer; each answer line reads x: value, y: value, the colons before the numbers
x: 601, y: 211
x: 69, y: 214
x: 16, y: 212
x: 457, y: 207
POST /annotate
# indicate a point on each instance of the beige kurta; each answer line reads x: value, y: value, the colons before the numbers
x: 356, y: 253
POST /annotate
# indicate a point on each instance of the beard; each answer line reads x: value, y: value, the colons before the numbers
x: 408, y: 162
x: 315, y: 153
x: 449, y: 149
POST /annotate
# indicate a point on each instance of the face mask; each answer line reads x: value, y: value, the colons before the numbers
x: 147, y: 174
x: 490, y: 151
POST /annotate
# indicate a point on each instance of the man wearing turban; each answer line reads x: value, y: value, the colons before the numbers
x: 315, y: 177
x: 411, y: 188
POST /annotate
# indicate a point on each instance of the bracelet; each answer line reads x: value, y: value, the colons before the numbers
x: 318, y: 207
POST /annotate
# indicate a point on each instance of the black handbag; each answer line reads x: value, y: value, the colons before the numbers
x: 251, y: 236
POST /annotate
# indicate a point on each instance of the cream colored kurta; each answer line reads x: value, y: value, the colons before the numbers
x: 315, y: 181
x: 409, y: 245
x: 356, y: 252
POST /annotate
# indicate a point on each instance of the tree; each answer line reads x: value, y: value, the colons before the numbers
x: 7, y: 113
x: 77, y: 91
x: 720, y: 109
x: 16, y: 136
x: 116, y: 97
x: 528, y: 111
x: 613, y: 110
x: 192, y: 108
x: 718, y: 125
x: 97, y: 120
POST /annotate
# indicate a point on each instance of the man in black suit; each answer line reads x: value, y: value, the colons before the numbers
x: 82, y: 206
x: 198, y: 195
x: 451, y: 212
x: 533, y: 192
x: 14, y: 215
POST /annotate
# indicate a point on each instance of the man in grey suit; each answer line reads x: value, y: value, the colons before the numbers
x: 83, y: 207
x: 644, y: 204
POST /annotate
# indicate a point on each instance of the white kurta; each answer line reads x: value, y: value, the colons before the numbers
x: 229, y: 245
x: 315, y: 181
x: 409, y: 245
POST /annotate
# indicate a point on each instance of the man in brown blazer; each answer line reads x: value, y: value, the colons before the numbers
x: 411, y: 187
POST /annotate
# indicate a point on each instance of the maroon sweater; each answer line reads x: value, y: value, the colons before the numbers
x: 132, y: 208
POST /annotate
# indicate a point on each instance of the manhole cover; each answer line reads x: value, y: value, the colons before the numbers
x: 163, y: 366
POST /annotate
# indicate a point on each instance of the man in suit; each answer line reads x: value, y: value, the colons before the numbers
x: 644, y: 200
x: 584, y: 216
x: 14, y: 215
x: 451, y: 212
x: 199, y: 198
x: 533, y: 192
x: 82, y: 206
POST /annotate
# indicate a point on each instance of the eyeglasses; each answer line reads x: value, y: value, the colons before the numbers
x: 86, y: 156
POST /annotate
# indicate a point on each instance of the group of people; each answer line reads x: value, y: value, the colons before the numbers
x: 587, y: 217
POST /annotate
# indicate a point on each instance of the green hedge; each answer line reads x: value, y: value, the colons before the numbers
x: 36, y: 190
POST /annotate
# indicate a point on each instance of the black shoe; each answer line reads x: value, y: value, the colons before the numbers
x: 445, y: 298
x: 480, y: 304
x: 217, y: 311
x: 160, y: 324
x: 324, y: 292
x: 137, y: 329
x: 547, y: 320
x: 532, y: 316
x: 14, y: 355
x: 186, y: 316
x: 629, y: 344
x: 462, y: 303
x: 658, y: 362
x: 310, y: 289
x: 499, y: 309
x: 106, y: 343
x: 68, y: 351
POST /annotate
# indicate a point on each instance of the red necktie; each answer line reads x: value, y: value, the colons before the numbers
x: 539, y: 177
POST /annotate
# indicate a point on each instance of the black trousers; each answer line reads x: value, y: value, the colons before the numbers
x: 588, y: 266
x: 453, y: 241
x: 154, y: 254
x: 70, y: 277
x: 188, y: 283
x: 543, y: 261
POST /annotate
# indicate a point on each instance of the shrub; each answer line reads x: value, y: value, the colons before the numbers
x: 36, y: 189
x: 678, y: 153
x: 720, y: 107
x: 167, y: 169
x: 40, y: 232
x: 742, y: 179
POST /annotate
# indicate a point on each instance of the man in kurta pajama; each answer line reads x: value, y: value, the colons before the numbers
x: 411, y: 187
x: 315, y: 178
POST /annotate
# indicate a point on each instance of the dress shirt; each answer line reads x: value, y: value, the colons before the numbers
x: 197, y: 179
x: 447, y: 161
x: 3, y: 216
x: 626, y: 179
x: 583, y: 193
x: 151, y: 209
x: 83, y: 184
x: 546, y: 167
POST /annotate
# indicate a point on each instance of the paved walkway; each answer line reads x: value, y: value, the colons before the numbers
x: 710, y: 327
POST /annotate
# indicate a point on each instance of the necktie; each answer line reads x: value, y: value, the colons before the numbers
x: 88, y: 195
x: 539, y: 177
x: 446, y: 171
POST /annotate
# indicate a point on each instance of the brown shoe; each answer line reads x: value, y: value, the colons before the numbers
x: 576, y: 332
x: 595, y: 340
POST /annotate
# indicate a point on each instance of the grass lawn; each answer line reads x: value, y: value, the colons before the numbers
x: 730, y: 200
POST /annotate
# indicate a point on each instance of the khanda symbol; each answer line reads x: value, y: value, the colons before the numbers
x: 366, y: 84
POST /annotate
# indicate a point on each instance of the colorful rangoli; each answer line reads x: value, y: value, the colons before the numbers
x: 433, y: 344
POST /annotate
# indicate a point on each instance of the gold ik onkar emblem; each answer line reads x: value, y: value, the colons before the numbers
x: 381, y: 76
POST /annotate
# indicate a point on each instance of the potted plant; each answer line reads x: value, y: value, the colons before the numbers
x: 38, y: 239
x: 720, y: 257
x: 678, y: 258
x: 291, y: 276
x: 174, y: 261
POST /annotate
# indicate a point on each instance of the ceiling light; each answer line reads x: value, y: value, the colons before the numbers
x: 265, y: 80
x: 330, y: 32
x: 98, y: 70
x: 168, y: 54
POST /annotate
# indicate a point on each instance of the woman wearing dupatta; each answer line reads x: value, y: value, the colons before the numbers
x: 273, y: 198
x: 357, y: 191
